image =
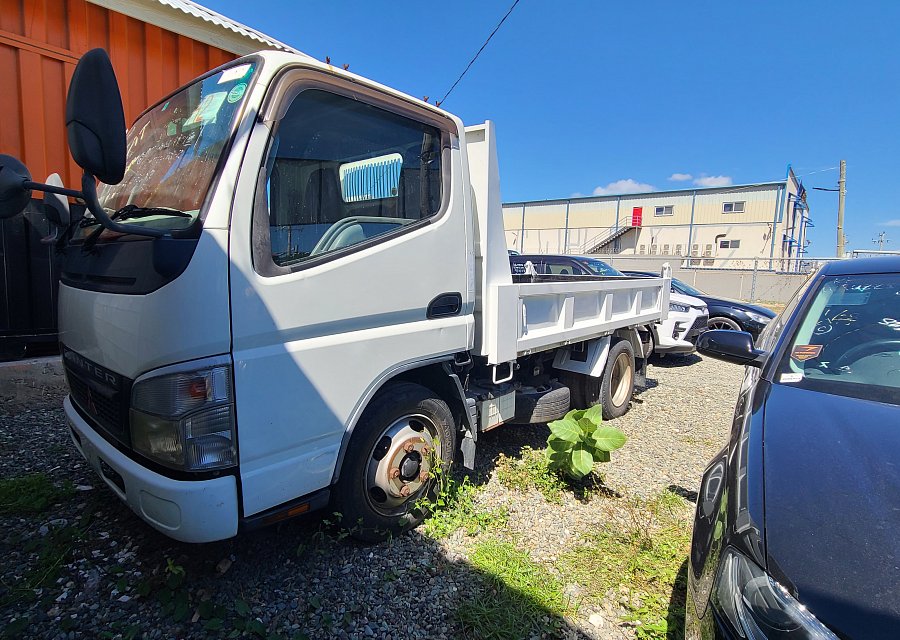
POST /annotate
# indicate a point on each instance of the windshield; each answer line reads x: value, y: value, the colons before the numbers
x: 848, y: 342
x: 601, y: 268
x: 686, y: 289
x: 173, y: 149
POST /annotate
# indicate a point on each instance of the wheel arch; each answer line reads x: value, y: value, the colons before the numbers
x: 434, y: 374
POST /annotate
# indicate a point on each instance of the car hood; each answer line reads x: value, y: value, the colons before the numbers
x: 832, y: 507
x: 745, y: 306
x: 690, y: 301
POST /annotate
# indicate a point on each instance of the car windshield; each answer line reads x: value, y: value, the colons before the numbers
x: 686, y: 289
x: 600, y: 268
x: 848, y: 342
x: 173, y: 150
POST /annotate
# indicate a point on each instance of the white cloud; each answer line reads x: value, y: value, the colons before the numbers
x: 892, y: 223
x: 680, y: 177
x: 624, y: 186
x: 713, y: 181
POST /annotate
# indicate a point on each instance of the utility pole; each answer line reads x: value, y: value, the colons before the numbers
x: 881, y: 241
x: 842, y: 191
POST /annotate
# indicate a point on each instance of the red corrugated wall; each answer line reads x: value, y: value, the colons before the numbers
x: 40, y: 42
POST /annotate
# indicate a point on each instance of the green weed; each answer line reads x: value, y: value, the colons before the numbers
x: 455, y: 507
x: 31, y: 494
x: 641, y: 565
x: 530, y: 471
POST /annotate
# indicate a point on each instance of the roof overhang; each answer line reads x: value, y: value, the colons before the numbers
x: 198, y: 23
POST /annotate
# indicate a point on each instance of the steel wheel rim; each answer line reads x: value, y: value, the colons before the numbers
x: 619, y: 381
x: 400, y: 465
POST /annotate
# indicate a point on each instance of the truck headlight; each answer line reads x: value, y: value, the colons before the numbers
x: 683, y: 308
x: 758, y: 607
x: 185, y: 420
x: 758, y: 317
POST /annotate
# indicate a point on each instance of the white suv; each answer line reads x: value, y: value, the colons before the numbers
x: 678, y: 333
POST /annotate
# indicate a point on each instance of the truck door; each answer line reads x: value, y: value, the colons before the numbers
x: 351, y: 257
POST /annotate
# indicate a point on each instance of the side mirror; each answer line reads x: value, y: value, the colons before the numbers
x: 95, y: 120
x: 14, y: 195
x: 730, y: 346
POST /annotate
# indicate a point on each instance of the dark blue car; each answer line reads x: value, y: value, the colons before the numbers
x: 797, y: 529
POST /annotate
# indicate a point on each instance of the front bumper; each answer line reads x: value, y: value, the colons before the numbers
x: 683, y: 325
x: 186, y: 510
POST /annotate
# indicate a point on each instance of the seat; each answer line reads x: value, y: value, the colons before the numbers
x: 322, y: 200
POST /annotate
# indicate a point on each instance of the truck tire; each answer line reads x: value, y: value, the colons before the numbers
x: 617, y: 383
x: 541, y: 404
x: 392, y: 461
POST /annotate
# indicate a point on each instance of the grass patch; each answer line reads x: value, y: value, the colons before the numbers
x: 31, y: 494
x: 641, y: 566
x: 530, y: 471
x: 520, y: 599
x: 456, y: 507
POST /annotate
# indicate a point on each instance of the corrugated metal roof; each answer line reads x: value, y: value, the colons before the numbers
x: 208, y: 15
x: 199, y: 23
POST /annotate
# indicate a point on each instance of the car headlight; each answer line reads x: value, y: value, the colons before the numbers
x: 758, y: 317
x: 758, y: 607
x: 683, y: 308
x: 185, y: 420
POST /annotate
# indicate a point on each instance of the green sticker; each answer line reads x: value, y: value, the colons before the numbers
x: 237, y: 92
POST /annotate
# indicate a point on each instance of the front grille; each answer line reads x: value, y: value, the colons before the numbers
x: 699, y: 326
x: 100, y: 395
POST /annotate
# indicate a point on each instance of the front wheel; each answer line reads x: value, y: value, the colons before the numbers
x: 721, y: 322
x: 405, y: 438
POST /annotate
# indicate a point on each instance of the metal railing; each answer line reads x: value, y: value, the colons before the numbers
x: 622, y: 226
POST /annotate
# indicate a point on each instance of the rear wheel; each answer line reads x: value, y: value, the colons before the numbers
x: 405, y: 438
x: 617, y: 384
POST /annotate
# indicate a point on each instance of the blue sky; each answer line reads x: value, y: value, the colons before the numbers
x: 604, y: 95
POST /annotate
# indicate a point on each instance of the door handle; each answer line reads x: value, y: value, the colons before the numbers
x: 444, y: 306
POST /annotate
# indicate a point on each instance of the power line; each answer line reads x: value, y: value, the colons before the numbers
x: 472, y: 61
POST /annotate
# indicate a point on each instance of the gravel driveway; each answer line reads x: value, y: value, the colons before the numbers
x: 86, y: 567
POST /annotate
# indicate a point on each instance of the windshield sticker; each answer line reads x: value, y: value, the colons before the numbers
x: 237, y: 92
x: 207, y: 111
x: 234, y: 73
x: 803, y: 352
x: 791, y: 377
x: 850, y: 297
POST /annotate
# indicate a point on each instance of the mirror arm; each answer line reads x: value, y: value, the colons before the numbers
x: 89, y: 193
x: 49, y: 188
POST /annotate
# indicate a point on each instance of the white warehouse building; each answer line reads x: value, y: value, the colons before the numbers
x: 732, y: 226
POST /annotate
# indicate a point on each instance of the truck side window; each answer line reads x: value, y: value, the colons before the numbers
x: 341, y: 172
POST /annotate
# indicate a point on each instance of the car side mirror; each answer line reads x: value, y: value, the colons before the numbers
x: 95, y: 120
x: 14, y: 194
x: 730, y: 346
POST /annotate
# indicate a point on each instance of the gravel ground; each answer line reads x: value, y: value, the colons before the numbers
x: 98, y: 571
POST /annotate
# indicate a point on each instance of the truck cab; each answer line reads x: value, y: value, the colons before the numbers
x: 286, y: 280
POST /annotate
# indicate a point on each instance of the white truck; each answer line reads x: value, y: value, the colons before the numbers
x: 291, y: 288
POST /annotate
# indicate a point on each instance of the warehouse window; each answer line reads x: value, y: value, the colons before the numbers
x: 666, y: 210
x: 677, y: 249
x: 729, y: 244
x: 732, y: 207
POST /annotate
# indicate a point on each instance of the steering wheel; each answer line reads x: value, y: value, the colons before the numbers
x: 866, y: 349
